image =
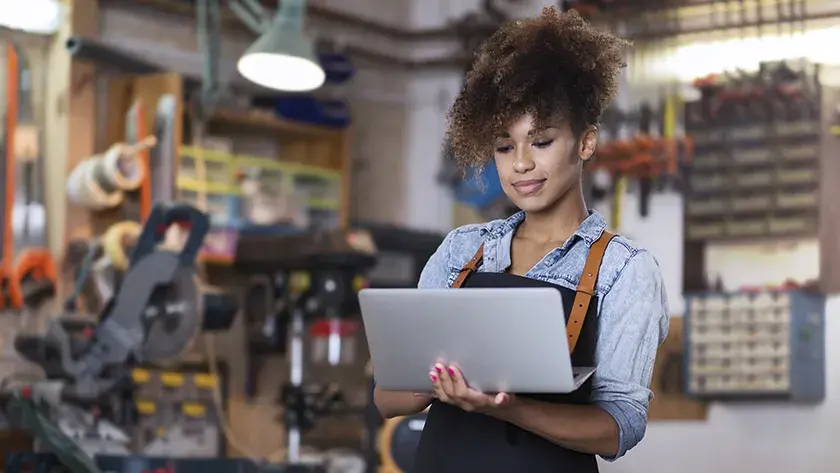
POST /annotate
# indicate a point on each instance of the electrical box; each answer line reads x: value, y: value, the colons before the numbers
x: 755, y: 345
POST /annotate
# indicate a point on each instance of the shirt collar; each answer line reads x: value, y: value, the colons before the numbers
x: 589, y: 231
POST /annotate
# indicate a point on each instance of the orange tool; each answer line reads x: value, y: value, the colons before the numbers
x: 28, y: 276
x: 33, y: 279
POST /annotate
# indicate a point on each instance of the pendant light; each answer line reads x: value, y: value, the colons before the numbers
x: 282, y: 58
x: 32, y: 16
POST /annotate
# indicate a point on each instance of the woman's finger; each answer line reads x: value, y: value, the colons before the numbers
x: 437, y: 390
x: 444, y: 375
x: 502, y: 399
x: 459, y: 386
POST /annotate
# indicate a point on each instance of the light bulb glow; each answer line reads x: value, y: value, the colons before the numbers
x: 701, y: 58
x: 281, y: 71
x: 32, y: 16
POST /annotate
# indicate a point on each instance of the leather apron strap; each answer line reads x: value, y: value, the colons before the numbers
x: 469, y: 268
x: 584, y: 292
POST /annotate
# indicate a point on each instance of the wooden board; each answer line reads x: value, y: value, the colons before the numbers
x: 667, y: 384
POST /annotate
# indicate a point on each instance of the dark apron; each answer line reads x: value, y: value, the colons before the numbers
x: 457, y: 441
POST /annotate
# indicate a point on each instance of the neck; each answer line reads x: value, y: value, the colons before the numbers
x: 557, y: 222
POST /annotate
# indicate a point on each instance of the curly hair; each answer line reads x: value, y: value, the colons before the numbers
x: 553, y: 66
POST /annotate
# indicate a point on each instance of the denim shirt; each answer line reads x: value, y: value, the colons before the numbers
x: 632, y: 306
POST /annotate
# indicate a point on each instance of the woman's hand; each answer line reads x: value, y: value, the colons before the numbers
x: 451, y: 388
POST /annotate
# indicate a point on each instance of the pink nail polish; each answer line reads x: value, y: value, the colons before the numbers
x: 433, y: 378
x: 451, y: 371
x: 438, y: 369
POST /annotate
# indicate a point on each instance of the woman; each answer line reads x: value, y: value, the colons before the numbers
x: 532, y: 101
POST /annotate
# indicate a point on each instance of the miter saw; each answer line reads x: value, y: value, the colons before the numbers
x: 155, y: 314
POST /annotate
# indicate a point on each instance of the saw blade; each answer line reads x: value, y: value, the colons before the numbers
x: 179, y: 317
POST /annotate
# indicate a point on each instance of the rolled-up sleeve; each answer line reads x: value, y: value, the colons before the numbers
x: 633, y: 322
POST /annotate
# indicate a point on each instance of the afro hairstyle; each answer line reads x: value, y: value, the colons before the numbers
x: 554, y: 66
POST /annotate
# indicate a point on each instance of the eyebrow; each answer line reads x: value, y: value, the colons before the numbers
x: 531, y: 132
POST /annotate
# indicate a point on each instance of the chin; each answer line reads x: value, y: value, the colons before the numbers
x: 534, y: 209
x: 532, y: 205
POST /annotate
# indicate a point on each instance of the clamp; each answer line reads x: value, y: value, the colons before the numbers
x: 32, y: 281
x: 29, y: 278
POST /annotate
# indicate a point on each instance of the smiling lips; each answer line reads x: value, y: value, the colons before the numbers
x: 528, y: 187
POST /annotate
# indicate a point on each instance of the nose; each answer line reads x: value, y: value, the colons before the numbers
x: 522, y: 160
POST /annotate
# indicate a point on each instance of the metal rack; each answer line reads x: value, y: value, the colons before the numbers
x: 755, y: 170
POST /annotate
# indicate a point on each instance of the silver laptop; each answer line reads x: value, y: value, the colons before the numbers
x: 503, y: 339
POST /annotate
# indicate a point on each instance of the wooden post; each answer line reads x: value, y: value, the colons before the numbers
x: 70, y: 121
x: 829, y: 216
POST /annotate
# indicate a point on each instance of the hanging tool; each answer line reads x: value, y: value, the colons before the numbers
x: 30, y: 271
x: 136, y: 133
x: 209, y: 33
x: 645, y: 182
x: 162, y: 157
x: 202, y: 105
x: 8, y: 180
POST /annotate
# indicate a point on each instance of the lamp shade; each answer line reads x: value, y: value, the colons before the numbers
x: 282, y: 58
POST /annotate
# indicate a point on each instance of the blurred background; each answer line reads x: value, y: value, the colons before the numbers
x: 309, y: 135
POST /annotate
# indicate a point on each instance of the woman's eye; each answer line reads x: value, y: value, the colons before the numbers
x: 504, y: 149
x: 543, y: 144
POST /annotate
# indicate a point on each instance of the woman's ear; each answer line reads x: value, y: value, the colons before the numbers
x: 588, y: 142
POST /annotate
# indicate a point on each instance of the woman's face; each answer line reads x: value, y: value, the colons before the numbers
x: 538, y: 167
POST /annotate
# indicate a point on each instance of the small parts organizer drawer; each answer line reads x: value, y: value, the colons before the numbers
x: 766, y: 344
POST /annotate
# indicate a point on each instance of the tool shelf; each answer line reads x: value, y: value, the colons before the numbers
x: 756, y: 190
x: 753, y: 180
x: 317, y: 188
x: 755, y: 345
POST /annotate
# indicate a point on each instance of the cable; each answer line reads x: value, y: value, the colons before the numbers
x: 112, y: 242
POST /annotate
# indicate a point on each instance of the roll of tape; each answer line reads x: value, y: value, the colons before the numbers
x: 82, y: 188
x: 119, y: 168
x: 114, y: 242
